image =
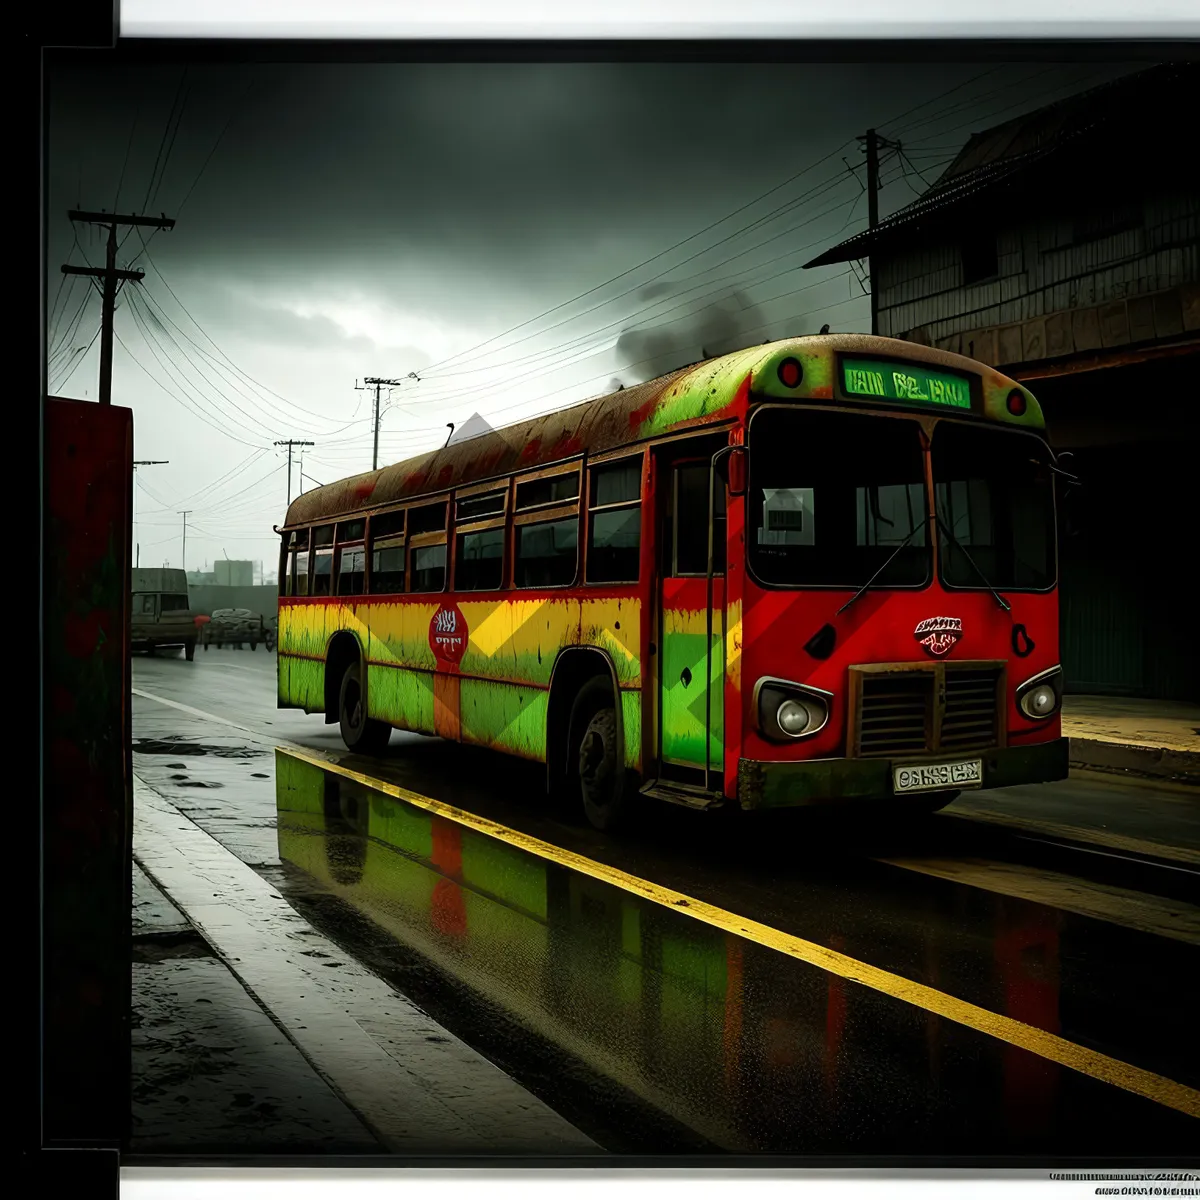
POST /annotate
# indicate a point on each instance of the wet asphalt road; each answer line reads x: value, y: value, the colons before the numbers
x: 1069, y: 908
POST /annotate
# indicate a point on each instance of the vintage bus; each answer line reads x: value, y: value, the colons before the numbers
x: 817, y: 571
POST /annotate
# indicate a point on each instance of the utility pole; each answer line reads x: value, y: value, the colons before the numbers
x: 289, y: 444
x: 110, y: 275
x: 379, y: 385
x: 184, y: 515
x: 872, y: 143
x: 142, y: 462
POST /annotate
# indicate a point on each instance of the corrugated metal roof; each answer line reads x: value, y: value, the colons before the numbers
x: 996, y: 157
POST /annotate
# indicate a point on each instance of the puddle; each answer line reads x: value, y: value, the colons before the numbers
x: 192, y: 749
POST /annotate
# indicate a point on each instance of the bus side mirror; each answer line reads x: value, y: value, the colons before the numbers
x: 737, y: 471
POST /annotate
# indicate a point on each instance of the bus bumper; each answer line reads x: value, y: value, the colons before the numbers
x: 847, y: 780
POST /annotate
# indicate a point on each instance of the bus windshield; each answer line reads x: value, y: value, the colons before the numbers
x: 832, y: 496
x: 995, y: 497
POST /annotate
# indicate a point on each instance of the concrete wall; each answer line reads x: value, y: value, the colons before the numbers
x: 205, y: 597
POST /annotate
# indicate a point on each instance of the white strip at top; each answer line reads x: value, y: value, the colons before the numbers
x: 453, y: 20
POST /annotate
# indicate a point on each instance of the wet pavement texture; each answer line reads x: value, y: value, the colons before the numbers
x: 418, y: 1089
x: 211, y: 1071
x: 1094, y: 944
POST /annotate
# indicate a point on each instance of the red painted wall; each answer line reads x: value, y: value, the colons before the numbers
x: 86, y: 781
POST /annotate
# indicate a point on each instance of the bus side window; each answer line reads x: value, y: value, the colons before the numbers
x: 615, y: 522
x: 427, y: 545
x: 429, y: 568
x: 296, y: 576
x: 300, y: 575
x: 322, y: 581
x: 387, y: 554
x: 546, y: 529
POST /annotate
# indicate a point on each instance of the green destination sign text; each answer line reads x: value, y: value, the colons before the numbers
x: 904, y: 381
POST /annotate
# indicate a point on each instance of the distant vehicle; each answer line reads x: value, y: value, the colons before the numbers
x: 237, y: 627
x: 161, y: 615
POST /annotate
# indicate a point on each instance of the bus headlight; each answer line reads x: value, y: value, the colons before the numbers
x: 787, y: 711
x: 1041, y: 696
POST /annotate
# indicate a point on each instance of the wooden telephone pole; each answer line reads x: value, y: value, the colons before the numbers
x: 872, y: 143
x: 110, y: 275
x: 290, y: 444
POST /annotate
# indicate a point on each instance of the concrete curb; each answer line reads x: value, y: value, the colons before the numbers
x: 1152, y: 762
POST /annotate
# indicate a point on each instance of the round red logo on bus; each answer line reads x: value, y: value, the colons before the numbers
x: 939, y: 635
x: 448, y: 634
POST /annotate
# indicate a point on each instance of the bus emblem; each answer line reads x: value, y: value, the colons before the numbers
x: 448, y: 635
x: 939, y: 634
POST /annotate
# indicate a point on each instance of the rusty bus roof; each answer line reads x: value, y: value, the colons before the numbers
x: 697, y: 395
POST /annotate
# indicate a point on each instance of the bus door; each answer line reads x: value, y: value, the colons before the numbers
x: 691, y: 667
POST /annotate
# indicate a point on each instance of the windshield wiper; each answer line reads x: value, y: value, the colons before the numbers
x: 944, y: 526
x: 887, y: 563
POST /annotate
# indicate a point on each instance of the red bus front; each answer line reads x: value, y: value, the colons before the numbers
x: 892, y: 618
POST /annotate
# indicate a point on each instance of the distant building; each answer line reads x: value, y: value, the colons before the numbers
x: 232, y: 572
x: 1061, y: 248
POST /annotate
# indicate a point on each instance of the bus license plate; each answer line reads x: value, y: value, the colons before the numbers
x: 932, y: 777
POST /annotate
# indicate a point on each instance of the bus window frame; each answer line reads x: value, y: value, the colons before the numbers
x: 329, y: 552
x: 433, y: 537
x: 302, y: 545
x: 554, y: 472
x: 385, y: 541
x: 924, y: 422
x: 481, y: 524
x: 612, y: 459
x: 545, y: 514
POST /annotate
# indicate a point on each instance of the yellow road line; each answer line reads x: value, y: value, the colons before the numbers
x: 1036, y: 1041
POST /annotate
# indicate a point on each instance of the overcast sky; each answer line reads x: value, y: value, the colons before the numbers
x: 497, y: 230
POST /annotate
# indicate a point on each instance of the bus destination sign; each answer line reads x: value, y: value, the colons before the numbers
x: 904, y: 381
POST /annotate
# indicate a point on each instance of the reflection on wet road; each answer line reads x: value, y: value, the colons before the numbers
x: 656, y: 1032
x: 749, y: 1048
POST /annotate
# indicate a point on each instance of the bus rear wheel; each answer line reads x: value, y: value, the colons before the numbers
x: 360, y: 733
x: 602, y: 783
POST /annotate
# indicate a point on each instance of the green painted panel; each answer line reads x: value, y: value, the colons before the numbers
x: 505, y: 716
x: 302, y: 682
x: 631, y: 720
x: 402, y: 697
x: 683, y: 695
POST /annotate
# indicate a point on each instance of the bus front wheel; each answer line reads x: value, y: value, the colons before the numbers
x: 360, y: 733
x: 602, y: 784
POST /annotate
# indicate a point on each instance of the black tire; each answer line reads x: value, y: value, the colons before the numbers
x: 189, y: 651
x: 360, y: 733
x: 603, y: 787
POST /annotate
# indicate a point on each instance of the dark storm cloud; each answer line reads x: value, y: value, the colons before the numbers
x: 488, y: 188
x: 729, y: 323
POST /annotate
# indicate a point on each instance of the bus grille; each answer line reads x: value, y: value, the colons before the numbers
x: 940, y: 709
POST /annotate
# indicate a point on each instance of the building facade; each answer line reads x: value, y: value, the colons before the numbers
x: 1062, y: 248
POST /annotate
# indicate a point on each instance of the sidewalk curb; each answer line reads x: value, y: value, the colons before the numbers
x: 1151, y: 762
